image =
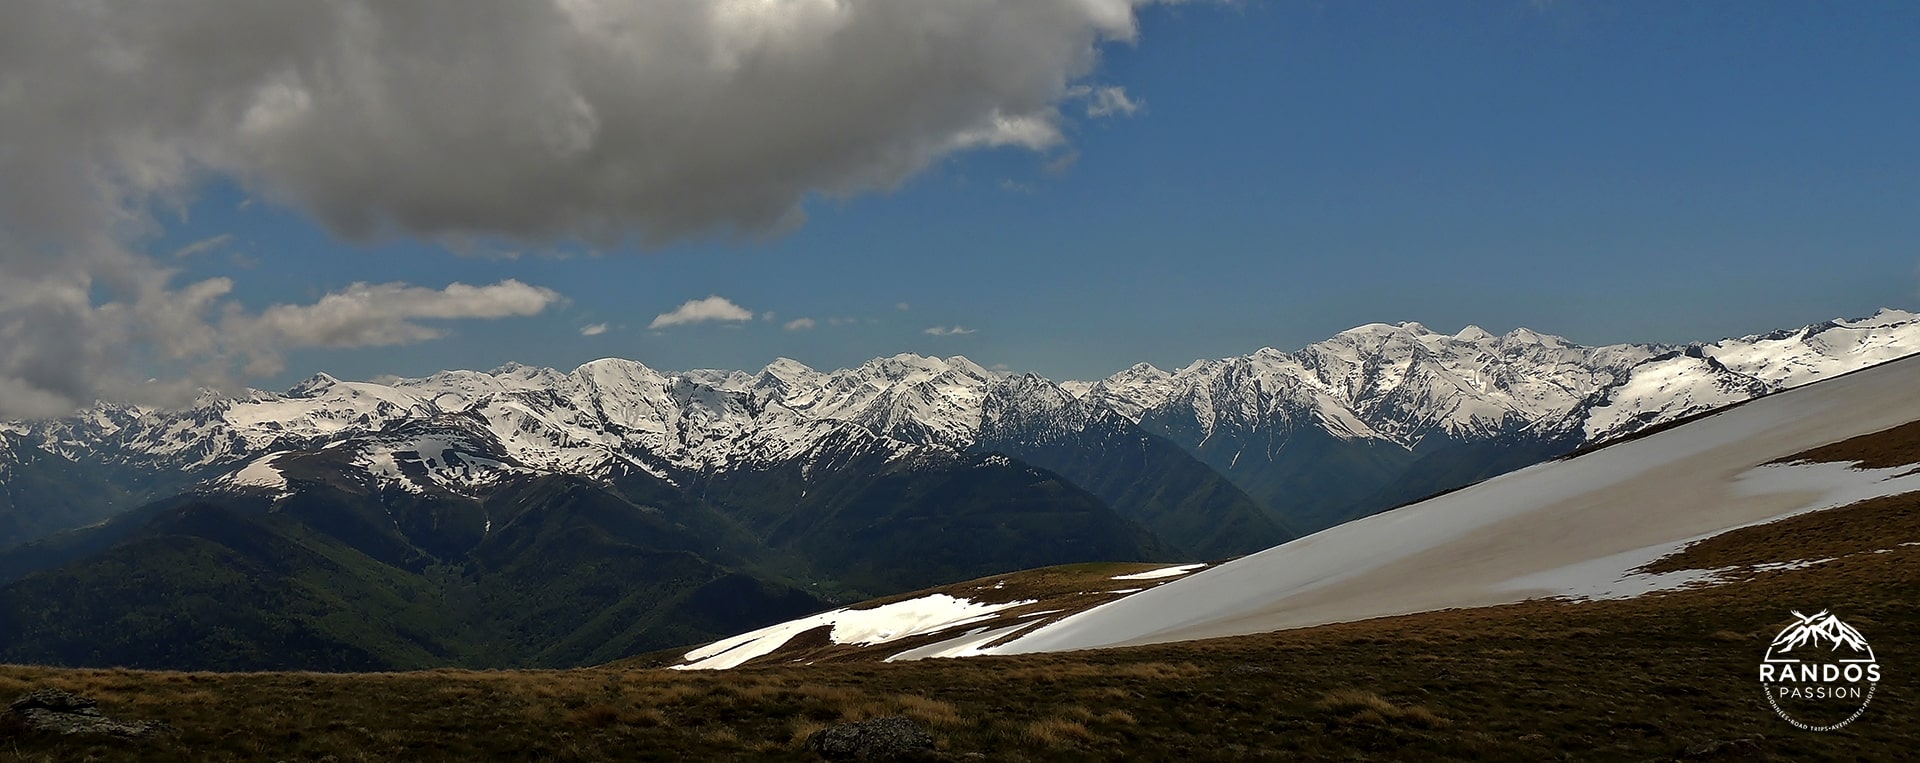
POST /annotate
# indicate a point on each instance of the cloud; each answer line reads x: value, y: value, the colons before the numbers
x: 376, y: 315
x: 1061, y: 164
x: 713, y: 308
x: 533, y: 123
x: 1106, y: 101
x: 59, y: 350
x: 593, y: 330
x: 949, y: 331
x: 203, y: 246
x: 539, y: 120
x: 902, y: 306
x: 801, y: 324
x: 1015, y: 186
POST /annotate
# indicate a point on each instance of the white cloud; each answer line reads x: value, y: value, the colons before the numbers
x: 949, y: 330
x: 713, y: 308
x: 593, y: 330
x: 1107, y: 100
x: 902, y: 306
x: 374, y: 315
x: 801, y: 324
x: 203, y: 246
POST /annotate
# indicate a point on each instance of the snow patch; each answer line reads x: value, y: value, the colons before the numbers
x: 1163, y: 572
x: 261, y: 473
x: 862, y: 627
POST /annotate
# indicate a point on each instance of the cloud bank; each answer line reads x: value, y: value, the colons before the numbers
x: 538, y: 121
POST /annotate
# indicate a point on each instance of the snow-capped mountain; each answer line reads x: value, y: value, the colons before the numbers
x: 1392, y: 410
x: 1403, y: 383
x: 1371, y: 417
x: 1604, y: 524
x: 615, y: 508
x: 462, y: 432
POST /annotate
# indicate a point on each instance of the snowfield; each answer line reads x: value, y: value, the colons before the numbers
x: 1568, y: 528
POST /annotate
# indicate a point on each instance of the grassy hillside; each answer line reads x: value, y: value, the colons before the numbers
x: 1668, y: 676
x: 1663, y: 677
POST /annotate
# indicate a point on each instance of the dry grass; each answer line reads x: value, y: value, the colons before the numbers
x: 1898, y: 446
x: 803, y: 729
x: 1057, y: 732
x: 1118, y: 718
x: 1636, y: 679
x: 1357, y: 706
x: 1861, y: 528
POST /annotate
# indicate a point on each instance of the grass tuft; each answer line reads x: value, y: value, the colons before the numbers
x: 1058, y: 732
x: 1360, y: 707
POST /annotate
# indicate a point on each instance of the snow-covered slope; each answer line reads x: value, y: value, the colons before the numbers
x: 1573, y: 527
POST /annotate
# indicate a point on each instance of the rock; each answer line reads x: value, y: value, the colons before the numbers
x: 57, y: 711
x: 890, y: 738
x: 57, y: 700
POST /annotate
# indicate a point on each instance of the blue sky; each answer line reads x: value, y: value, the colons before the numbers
x: 1609, y: 172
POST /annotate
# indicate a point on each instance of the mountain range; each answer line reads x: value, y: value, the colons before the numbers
x: 1639, y: 515
x: 532, y: 516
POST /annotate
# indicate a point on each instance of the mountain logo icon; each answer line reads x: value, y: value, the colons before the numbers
x: 1819, y: 672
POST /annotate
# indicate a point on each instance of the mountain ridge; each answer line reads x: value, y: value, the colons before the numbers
x: 1376, y: 400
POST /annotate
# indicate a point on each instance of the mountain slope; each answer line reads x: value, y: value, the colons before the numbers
x: 317, y: 572
x: 879, y: 521
x: 531, y: 516
x: 427, y: 543
x: 1573, y: 527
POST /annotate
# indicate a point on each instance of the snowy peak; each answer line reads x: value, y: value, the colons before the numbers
x: 314, y: 386
x: 787, y: 374
x: 1526, y: 336
x: 1133, y: 391
x: 1473, y: 335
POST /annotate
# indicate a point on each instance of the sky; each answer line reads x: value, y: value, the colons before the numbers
x: 226, y: 193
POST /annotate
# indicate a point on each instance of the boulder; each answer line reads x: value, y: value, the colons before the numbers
x: 57, y: 711
x: 890, y: 738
